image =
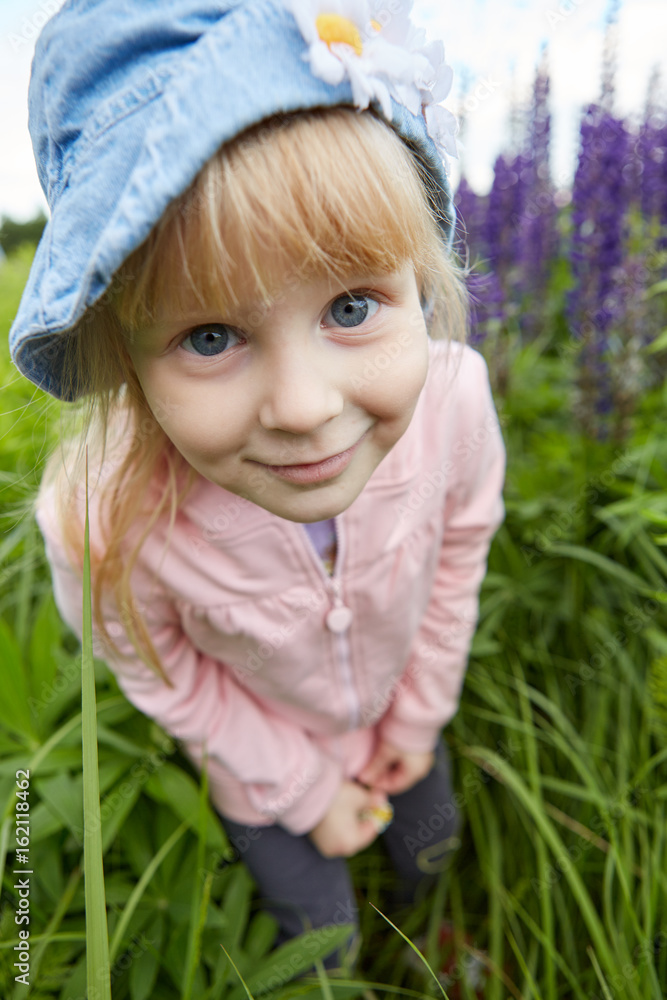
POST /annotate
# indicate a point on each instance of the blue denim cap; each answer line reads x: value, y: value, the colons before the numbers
x: 128, y: 100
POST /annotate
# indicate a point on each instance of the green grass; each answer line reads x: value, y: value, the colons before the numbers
x: 560, y: 750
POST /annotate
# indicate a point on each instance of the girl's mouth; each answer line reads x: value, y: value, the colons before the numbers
x: 316, y: 472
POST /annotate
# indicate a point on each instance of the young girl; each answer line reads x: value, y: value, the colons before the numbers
x: 296, y: 470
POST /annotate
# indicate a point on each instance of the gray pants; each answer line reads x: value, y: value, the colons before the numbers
x: 303, y: 890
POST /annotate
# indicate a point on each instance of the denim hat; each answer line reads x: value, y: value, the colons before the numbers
x: 128, y: 100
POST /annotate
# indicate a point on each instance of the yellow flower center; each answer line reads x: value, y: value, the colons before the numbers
x: 334, y: 28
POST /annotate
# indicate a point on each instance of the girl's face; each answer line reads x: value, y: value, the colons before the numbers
x: 294, y: 405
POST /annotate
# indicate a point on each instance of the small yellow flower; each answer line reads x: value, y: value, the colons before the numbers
x: 334, y: 28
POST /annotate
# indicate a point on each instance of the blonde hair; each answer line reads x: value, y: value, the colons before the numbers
x: 326, y: 192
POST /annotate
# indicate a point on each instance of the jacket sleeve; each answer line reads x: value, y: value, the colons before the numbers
x: 284, y: 776
x: 428, y: 693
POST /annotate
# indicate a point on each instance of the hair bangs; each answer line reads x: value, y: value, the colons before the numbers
x: 328, y: 193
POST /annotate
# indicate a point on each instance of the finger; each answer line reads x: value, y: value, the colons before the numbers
x: 367, y: 776
x: 370, y: 772
x: 378, y: 798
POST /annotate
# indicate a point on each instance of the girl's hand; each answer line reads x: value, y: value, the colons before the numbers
x: 345, y: 829
x: 394, y: 770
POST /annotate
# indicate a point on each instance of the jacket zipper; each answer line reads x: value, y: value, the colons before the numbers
x: 341, y: 644
x: 341, y: 638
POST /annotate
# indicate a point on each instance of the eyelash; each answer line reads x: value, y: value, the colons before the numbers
x: 357, y: 294
x: 209, y: 327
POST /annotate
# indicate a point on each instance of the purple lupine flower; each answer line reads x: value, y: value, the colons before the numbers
x: 597, y: 305
x: 615, y: 171
x: 652, y: 154
x: 662, y: 198
x: 505, y: 205
x: 536, y: 226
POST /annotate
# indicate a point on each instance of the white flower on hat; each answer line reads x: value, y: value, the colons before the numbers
x: 383, y: 55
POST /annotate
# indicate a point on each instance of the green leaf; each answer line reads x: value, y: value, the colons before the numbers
x: 116, y: 807
x: 658, y: 344
x: 44, y: 647
x: 140, y: 888
x: 177, y: 789
x: 297, y: 956
x: 657, y: 289
x: 14, y: 711
x: 63, y: 797
x: 144, y: 969
x: 608, y: 566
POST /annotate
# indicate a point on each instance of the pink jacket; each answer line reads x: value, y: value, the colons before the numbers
x: 236, y: 605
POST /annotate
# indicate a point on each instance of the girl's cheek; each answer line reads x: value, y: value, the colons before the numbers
x: 393, y: 375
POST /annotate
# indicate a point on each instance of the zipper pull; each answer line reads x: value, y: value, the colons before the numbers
x: 340, y: 617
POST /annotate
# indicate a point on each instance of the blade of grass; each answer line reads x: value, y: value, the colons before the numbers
x: 530, y: 983
x: 198, y: 897
x: 607, y: 566
x: 512, y: 904
x: 25, y: 589
x: 98, y: 973
x: 598, y: 973
x: 324, y: 980
x: 233, y: 964
x: 512, y: 780
x: 140, y: 887
x: 414, y: 948
x: 532, y: 757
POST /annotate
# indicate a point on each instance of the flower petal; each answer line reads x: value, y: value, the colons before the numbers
x: 325, y: 64
x: 442, y: 127
x: 304, y: 14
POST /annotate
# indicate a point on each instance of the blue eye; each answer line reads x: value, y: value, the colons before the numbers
x: 207, y: 341
x: 352, y: 310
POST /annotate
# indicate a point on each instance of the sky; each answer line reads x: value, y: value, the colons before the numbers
x: 493, y: 46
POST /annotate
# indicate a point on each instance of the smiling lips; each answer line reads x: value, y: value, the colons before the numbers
x: 315, y: 472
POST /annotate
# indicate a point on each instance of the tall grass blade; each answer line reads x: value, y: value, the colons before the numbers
x: 25, y: 589
x: 232, y: 963
x: 414, y: 948
x: 324, y: 980
x: 199, y: 897
x: 140, y: 887
x: 598, y: 973
x: 98, y: 976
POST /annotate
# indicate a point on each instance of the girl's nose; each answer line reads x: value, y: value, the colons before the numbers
x: 298, y: 396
